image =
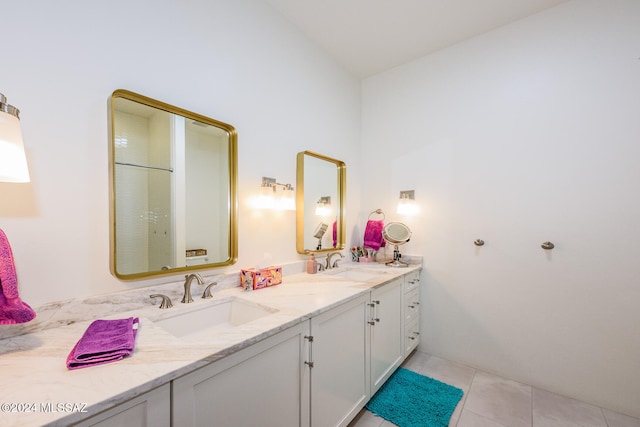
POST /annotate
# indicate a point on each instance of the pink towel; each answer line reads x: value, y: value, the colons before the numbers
x: 12, y: 309
x: 335, y: 234
x: 373, y: 234
x: 104, y: 341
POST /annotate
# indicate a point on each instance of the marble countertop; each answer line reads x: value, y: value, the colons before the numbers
x: 33, y: 370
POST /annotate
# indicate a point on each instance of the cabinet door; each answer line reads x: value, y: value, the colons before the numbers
x: 339, y: 377
x: 387, y: 330
x: 266, y: 384
x: 151, y: 409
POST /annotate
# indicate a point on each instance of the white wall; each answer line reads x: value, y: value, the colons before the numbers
x: 233, y: 60
x: 525, y: 134
x: 528, y: 133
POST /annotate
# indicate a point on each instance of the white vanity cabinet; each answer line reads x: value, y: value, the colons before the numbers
x: 387, y: 329
x: 266, y: 384
x: 151, y: 409
x: 411, y: 306
x: 319, y: 373
x: 339, y: 376
x: 314, y: 373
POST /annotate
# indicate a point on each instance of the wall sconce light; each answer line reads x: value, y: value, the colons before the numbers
x: 13, y: 161
x: 407, y: 204
x: 270, y: 198
x: 13, y: 168
x: 323, y: 207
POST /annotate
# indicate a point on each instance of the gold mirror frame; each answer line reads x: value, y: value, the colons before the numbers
x: 229, y: 200
x: 303, y: 229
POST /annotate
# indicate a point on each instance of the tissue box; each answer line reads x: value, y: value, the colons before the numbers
x: 251, y: 279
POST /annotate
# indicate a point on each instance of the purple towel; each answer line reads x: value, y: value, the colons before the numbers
x: 373, y: 234
x: 335, y: 234
x: 104, y: 341
x: 12, y: 309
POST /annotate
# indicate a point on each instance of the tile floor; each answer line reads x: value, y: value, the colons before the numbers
x: 492, y: 401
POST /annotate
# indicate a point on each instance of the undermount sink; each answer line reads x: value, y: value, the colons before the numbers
x: 214, y: 317
x: 357, y: 275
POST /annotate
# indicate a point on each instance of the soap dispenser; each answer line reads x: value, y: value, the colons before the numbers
x: 312, y: 265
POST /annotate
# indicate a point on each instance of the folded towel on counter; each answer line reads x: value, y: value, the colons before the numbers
x: 12, y: 309
x: 373, y: 234
x: 104, y: 341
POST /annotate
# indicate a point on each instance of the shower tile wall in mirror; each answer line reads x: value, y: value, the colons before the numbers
x: 173, y: 178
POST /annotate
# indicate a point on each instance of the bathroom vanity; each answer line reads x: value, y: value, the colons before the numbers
x: 324, y: 346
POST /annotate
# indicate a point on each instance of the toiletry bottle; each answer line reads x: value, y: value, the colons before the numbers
x: 312, y: 265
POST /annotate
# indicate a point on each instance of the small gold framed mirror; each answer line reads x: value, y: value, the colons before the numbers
x: 320, y: 203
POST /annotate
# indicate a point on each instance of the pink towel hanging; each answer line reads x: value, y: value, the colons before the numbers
x: 373, y: 232
x: 12, y: 309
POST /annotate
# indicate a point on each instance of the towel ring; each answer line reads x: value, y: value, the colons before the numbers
x: 377, y: 211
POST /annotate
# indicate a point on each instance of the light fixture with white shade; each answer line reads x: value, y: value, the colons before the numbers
x: 407, y: 204
x: 270, y: 198
x: 13, y: 161
x: 323, y: 206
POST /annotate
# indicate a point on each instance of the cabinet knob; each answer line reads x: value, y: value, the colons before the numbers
x: 547, y: 245
x: 371, y: 322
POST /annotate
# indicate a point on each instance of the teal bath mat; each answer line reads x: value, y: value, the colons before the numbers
x: 409, y: 399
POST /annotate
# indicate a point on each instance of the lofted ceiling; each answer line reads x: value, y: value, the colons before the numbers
x: 371, y: 36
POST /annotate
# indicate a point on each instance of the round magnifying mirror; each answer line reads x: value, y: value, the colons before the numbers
x: 396, y: 233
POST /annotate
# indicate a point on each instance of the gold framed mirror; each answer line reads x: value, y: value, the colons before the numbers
x: 320, y: 203
x: 173, y: 188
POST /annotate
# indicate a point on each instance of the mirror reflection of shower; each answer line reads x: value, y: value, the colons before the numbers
x: 319, y: 234
x: 396, y: 233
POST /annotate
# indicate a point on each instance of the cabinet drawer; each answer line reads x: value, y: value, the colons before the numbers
x: 412, y: 337
x: 411, y: 281
x: 411, y: 307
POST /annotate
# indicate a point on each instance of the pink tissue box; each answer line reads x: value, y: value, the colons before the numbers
x: 258, y: 279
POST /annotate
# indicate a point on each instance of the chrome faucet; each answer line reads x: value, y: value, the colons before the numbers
x: 335, y: 263
x: 187, y: 286
x: 166, y: 301
x: 207, y: 291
